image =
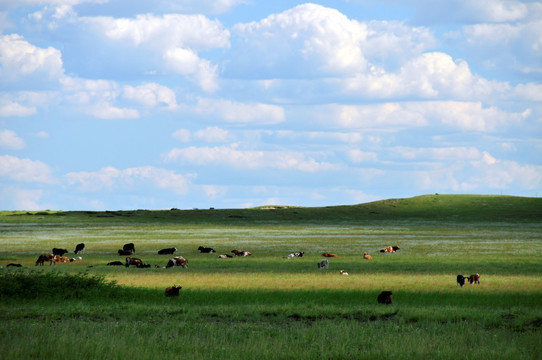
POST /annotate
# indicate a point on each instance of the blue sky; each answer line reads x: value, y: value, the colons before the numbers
x: 134, y: 104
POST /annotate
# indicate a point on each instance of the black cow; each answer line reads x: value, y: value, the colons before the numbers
x: 115, y: 263
x: 167, y: 251
x: 79, y: 248
x: 460, y: 280
x: 206, y: 250
x: 59, y: 252
x: 14, y: 265
x: 385, y: 297
x: 129, y: 247
x: 124, y: 252
x: 173, y: 290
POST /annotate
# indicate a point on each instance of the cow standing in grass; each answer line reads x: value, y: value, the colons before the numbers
x: 129, y: 247
x: 474, y: 279
x: 385, y: 297
x: 177, y: 261
x: 324, y: 263
x: 46, y: 257
x: 133, y: 261
x: 79, y: 248
x: 460, y: 280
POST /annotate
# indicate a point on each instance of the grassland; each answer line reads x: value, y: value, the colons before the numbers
x: 269, y: 307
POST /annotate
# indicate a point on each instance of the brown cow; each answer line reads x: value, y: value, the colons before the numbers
x: 366, y: 256
x: 177, y: 261
x: 474, y: 279
x: 330, y: 255
x: 122, y: 252
x: 385, y: 297
x: 390, y: 249
x: 46, y: 257
x: 343, y: 272
x: 173, y: 290
x: 63, y: 259
x: 133, y: 261
x: 241, y: 253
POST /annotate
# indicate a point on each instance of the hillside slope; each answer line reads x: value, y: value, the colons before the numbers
x: 461, y: 208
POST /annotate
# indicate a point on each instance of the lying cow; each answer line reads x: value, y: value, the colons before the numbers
x: 173, y: 290
x: 366, y: 256
x: 133, y: 261
x: 385, y: 297
x: 63, y: 259
x: 241, y: 253
x: 79, y: 248
x: 167, y: 251
x: 177, y: 261
x: 45, y: 257
x: 122, y: 252
x: 296, y: 254
x: 460, y: 280
x: 129, y: 247
x: 343, y: 272
x: 59, y: 252
x: 13, y: 265
x: 390, y: 249
x: 224, y: 256
x: 75, y: 259
x: 115, y: 263
x: 474, y: 279
x: 324, y: 263
x: 206, y: 250
x: 330, y: 255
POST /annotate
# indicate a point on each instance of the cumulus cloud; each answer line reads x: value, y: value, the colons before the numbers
x: 177, y: 37
x: 19, y: 58
x: 467, y: 116
x: 241, y: 112
x: 22, y: 199
x: 10, y: 140
x: 248, y: 159
x: 11, y: 108
x: 151, y: 95
x: 110, y: 178
x: 25, y: 170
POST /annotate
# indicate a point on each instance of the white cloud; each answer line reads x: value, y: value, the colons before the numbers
x: 213, y: 134
x: 105, y: 110
x: 110, y: 178
x: 22, y: 199
x: 151, y: 95
x: 9, y: 108
x: 359, y: 156
x: 467, y: 116
x: 182, y: 135
x: 177, y: 37
x: 25, y: 170
x: 10, y: 140
x: 241, y: 112
x: 248, y: 159
x: 187, y: 63
x: 19, y: 58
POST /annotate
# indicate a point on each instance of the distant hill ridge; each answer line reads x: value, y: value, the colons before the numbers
x: 475, y: 208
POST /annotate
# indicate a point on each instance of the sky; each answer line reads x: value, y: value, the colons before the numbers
x: 137, y: 104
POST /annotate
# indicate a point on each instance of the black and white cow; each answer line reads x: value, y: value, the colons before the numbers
x: 296, y: 254
x: 206, y: 250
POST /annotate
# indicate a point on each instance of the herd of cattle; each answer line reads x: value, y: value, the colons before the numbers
x: 57, y: 255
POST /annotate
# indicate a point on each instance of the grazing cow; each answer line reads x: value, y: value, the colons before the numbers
x: 129, y: 246
x: 474, y: 279
x: 59, y: 252
x: 296, y: 254
x: 46, y: 257
x: 385, y: 297
x: 460, y: 280
x: 13, y: 265
x: 330, y: 255
x: 167, y: 251
x: 224, y: 256
x: 324, y: 263
x: 177, y: 261
x: 115, y: 263
x: 133, y: 261
x: 366, y: 256
x: 173, y: 290
x: 241, y: 253
x: 343, y: 272
x: 390, y: 249
x: 79, y: 248
x: 63, y: 259
x: 206, y: 250
x: 124, y: 252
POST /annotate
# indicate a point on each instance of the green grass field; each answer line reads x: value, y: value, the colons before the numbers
x: 267, y: 306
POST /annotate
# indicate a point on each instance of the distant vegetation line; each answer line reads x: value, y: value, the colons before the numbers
x: 470, y: 208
